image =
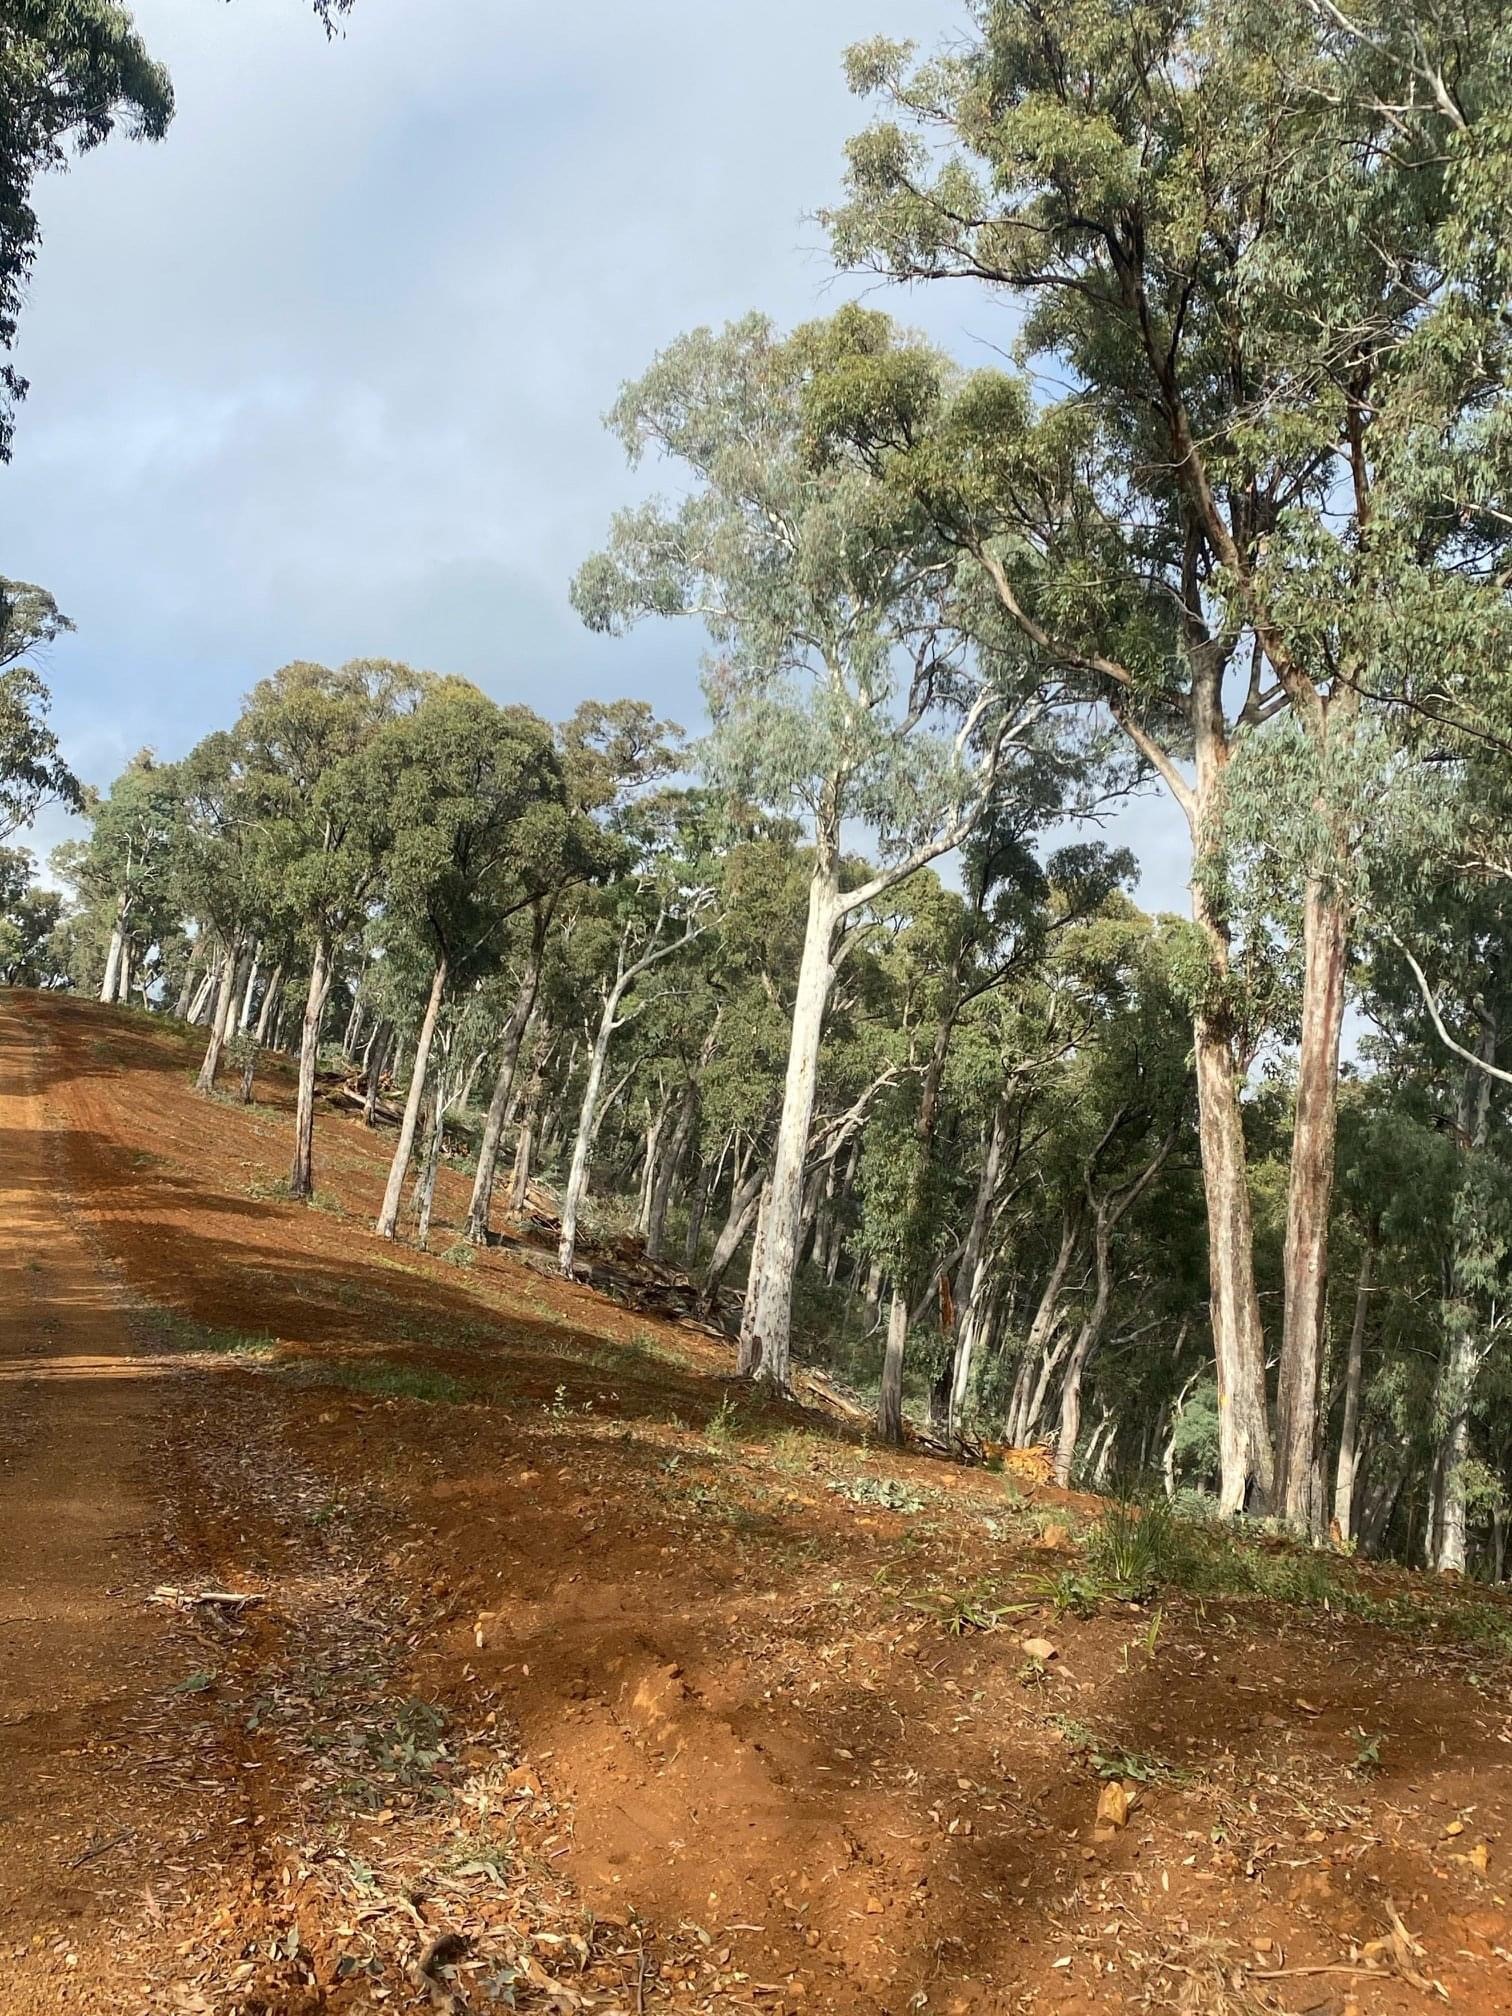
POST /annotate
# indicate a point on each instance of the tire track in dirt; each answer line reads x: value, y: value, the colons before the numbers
x: 207, y: 1811
x: 80, y: 1406
x: 130, y: 1811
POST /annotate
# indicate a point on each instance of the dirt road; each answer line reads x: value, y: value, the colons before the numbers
x: 81, y: 1408
x: 574, y: 1680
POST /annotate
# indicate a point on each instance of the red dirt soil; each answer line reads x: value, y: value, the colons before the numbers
x: 571, y: 1682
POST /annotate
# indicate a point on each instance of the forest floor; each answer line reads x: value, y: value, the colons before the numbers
x: 562, y: 1676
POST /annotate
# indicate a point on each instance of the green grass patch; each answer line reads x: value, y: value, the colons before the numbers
x: 388, y: 1382
x: 1140, y: 1548
x: 180, y: 1333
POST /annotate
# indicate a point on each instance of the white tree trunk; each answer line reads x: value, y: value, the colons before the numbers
x: 249, y: 995
x: 745, y: 1200
x: 269, y: 1006
x: 388, y: 1216
x: 1349, y: 1437
x: 302, y: 1174
x: 890, y: 1398
x: 204, y: 994
x: 971, y: 1274
x: 112, y: 964
x: 1464, y: 1351
x: 498, y: 1105
x: 222, y: 1022
x: 772, y: 1291
x: 582, y: 1147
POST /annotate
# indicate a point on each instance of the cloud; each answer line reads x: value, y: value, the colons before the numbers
x: 322, y: 373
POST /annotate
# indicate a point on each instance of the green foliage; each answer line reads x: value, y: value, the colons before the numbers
x: 975, y: 1607
x: 809, y: 579
x: 387, y: 1382
x: 181, y: 1333
x: 1134, y: 1547
x: 71, y: 72
x: 32, y: 771
x: 724, y: 1424
x: 1110, y: 1759
x: 29, y: 919
x: 889, y: 1494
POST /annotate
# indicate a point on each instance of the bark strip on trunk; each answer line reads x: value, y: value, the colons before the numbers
x: 1325, y: 937
x: 1349, y: 1435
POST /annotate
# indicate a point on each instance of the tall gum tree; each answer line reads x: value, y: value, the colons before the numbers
x: 308, y: 732
x: 124, y: 871
x: 474, y: 795
x: 840, y: 685
x: 214, y: 872
x: 32, y: 772
x: 1234, y: 243
x: 609, y: 752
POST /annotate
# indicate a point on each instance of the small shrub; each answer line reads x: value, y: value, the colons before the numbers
x: 975, y: 1608
x: 1367, y: 1758
x: 795, y: 1450
x: 459, y: 1254
x: 890, y: 1493
x: 1135, y: 1547
x: 723, y: 1424
x: 560, y: 1408
x: 1109, y: 1759
x: 1070, y: 1594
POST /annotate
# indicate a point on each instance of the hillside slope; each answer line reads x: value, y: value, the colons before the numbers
x: 561, y: 1675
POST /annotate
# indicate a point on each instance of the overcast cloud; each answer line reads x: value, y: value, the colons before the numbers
x: 322, y: 374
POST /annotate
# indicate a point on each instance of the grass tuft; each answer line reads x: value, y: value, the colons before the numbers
x: 389, y: 1382
x: 181, y: 1333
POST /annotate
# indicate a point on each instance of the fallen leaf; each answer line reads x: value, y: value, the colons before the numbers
x: 1040, y: 1648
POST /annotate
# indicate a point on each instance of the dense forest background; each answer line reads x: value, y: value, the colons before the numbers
x: 842, y: 1003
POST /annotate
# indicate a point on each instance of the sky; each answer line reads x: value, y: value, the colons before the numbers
x: 321, y: 375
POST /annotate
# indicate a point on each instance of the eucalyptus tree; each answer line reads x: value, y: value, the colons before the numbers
x: 216, y: 870
x: 1394, y: 1228
x: 29, y: 918
x: 308, y: 733
x: 1250, y: 266
x: 1463, y: 931
x: 610, y: 752
x: 123, y: 872
x: 472, y: 791
x: 842, y: 687
x: 1129, y: 1089
x: 32, y: 771
x: 996, y: 933
x: 71, y: 72
x: 651, y: 914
